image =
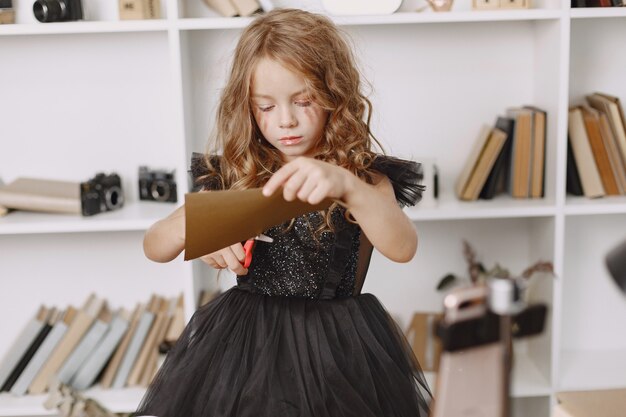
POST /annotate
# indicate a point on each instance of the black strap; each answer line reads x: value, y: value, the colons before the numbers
x: 338, y: 262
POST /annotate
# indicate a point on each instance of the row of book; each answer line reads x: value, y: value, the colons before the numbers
x: 596, y: 161
x: 598, y: 3
x: 82, y: 346
x: 508, y: 157
x: 231, y: 8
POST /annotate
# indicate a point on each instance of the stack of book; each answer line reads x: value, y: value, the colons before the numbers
x: 508, y: 157
x: 596, y: 160
x: 83, y: 346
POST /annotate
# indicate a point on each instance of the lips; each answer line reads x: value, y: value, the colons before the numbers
x: 290, y: 140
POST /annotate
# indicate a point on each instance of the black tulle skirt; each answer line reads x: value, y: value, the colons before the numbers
x: 247, y: 354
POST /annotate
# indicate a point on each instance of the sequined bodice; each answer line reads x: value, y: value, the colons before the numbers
x: 296, y: 264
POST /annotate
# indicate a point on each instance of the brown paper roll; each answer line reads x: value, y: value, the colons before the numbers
x: 217, y: 219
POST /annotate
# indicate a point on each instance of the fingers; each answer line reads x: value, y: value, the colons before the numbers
x: 279, y: 178
x: 230, y: 257
x: 293, y: 186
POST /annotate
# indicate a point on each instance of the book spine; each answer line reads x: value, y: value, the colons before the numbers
x: 15, y: 353
x: 52, y: 340
x: 133, y: 350
x: 96, y: 361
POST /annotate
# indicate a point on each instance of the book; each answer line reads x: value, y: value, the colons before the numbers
x: 224, y: 7
x: 611, y: 106
x: 585, y: 162
x: 522, y: 151
x: 135, y: 345
x: 153, y: 339
x: 499, y: 173
x: 619, y: 170
x: 78, y: 327
x: 484, y: 165
x: 59, y: 323
x: 113, y: 365
x: 177, y: 324
x: 87, y: 344
x: 573, y: 185
x: 472, y: 160
x: 246, y: 7
x: 164, y: 319
x: 30, y: 352
x: 540, y: 125
x: 44, y: 195
x: 97, y: 359
x: 592, y: 125
x: 20, y: 345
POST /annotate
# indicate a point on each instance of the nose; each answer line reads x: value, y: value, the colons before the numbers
x: 287, y: 118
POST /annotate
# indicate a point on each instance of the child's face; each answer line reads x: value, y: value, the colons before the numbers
x: 284, y: 112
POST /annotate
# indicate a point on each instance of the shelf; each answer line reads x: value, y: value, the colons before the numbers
x: 592, y: 369
x: 84, y: 27
x: 579, y: 206
x: 527, y: 381
x: 136, y: 216
x: 241, y: 22
x: 118, y: 401
x: 392, y: 19
x: 450, y: 208
x: 595, y: 12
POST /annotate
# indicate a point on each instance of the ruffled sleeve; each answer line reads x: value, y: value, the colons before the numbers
x: 405, y: 176
x: 200, y: 174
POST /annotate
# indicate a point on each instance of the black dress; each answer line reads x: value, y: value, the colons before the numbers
x: 295, y: 337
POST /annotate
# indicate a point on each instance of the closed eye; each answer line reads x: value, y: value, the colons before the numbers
x: 266, y: 108
x: 303, y: 103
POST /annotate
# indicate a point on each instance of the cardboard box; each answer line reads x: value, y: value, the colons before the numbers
x: 423, y: 340
x: 597, y: 403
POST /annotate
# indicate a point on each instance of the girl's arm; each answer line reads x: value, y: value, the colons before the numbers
x: 374, y: 207
x: 384, y: 223
x: 165, y: 240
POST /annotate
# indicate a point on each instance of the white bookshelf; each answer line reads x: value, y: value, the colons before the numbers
x: 110, y: 95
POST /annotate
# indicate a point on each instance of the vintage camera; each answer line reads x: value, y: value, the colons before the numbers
x: 101, y: 193
x: 58, y: 10
x: 156, y: 185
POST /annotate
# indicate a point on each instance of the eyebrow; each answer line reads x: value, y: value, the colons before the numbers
x: 270, y: 97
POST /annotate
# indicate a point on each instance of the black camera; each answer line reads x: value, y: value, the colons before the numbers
x: 157, y: 185
x: 58, y: 10
x: 101, y: 193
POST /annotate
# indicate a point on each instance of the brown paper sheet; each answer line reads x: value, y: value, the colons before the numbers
x: 217, y: 219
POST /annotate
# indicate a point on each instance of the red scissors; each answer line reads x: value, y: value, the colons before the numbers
x: 248, y: 247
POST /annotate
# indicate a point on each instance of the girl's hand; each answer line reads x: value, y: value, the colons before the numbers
x: 309, y: 180
x: 231, y: 257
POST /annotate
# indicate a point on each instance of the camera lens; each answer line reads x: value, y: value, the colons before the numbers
x: 160, y: 190
x: 113, y: 198
x: 50, y: 10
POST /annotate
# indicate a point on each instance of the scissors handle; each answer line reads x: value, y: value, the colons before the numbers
x: 247, y: 247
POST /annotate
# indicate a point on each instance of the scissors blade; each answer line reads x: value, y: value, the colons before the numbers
x: 264, y: 238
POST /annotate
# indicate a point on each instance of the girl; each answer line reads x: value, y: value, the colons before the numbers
x: 296, y: 337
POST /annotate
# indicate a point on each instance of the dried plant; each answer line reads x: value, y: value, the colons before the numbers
x: 478, y: 273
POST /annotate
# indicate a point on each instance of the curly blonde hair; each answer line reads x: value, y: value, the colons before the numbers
x: 311, y: 46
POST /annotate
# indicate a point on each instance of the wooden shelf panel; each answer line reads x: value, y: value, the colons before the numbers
x: 84, y: 27
x: 134, y: 216
x: 449, y: 207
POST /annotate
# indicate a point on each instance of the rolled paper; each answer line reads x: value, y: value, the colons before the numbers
x: 217, y: 219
